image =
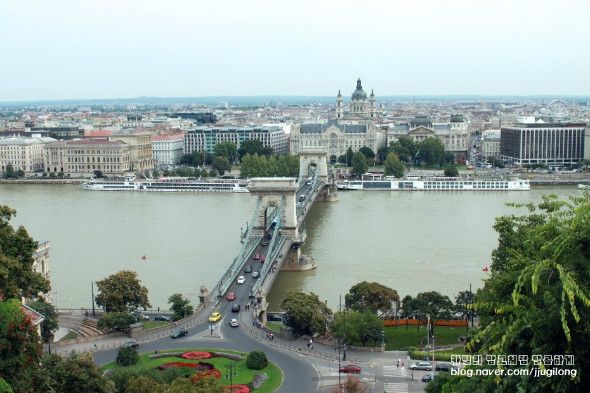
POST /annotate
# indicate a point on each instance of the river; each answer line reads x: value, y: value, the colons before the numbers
x: 410, y: 241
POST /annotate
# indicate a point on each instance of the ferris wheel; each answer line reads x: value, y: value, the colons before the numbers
x: 557, y: 108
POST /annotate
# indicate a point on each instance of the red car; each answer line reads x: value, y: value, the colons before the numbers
x: 257, y: 256
x: 350, y: 369
x: 231, y: 296
x: 263, y: 259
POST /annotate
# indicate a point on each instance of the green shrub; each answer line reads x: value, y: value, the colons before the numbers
x: 127, y: 356
x: 256, y: 360
x: 4, y: 386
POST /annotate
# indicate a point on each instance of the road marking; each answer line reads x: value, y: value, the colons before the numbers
x: 394, y: 371
x: 396, y: 387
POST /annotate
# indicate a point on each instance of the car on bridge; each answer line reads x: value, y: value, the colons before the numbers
x: 215, y: 317
x: 231, y: 296
x: 256, y: 274
x: 248, y: 269
x: 263, y: 259
x: 257, y: 256
x: 264, y: 243
x: 241, y: 279
x: 179, y: 333
x: 235, y: 308
x: 350, y: 369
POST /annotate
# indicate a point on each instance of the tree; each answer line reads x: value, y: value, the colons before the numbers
x: 227, y: 150
x: 352, y: 384
x: 451, y: 171
x: 221, y: 165
x: 333, y: 158
x: 75, y: 375
x: 306, y: 314
x: 362, y: 327
x: 251, y: 146
x: 383, y: 152
x: 9, y: 173
x: 431, y: 151
x: 127, y: 356
x: 122, y: 291
x: 359, y: 164
x: 256, y: 360
x: 427, y: 304
x: 371, y: 296
x: 17, y: 278
x: 49, y: 324
x: 116, y: 321
x: 393, y: 166
x: 405, y: 148
x: 464, y: 303
x: 536, y: 301
x: 367, y: 152
x: 20, y: 347
x: 180, y: 306
x: 98, y: 174
x: 213, y: 173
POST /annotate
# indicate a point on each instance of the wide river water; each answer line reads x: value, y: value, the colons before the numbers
x: 410, y: 241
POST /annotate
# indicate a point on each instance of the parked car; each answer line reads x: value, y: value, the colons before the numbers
x: 350, y: 369
x: 140, y: 315
x: 235, y: 308
x: 231, y: 296
x: 274, y: 318
x: 421, y: 366
x: 179, y: 333
x: 429, y: 377
x: 248, y: 269
x: 215, y: 317
x: 241, y: 279
x: 162, y: 318
x: 132, y: 344
x: 256, y: 274
x: 257, y: 256
x: 445, y: 367
x: 234, y: 322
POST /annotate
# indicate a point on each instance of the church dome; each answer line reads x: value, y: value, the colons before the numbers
x: 359, y: 94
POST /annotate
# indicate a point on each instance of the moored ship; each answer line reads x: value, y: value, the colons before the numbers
x: 171, y: 184
x: 434, y: 184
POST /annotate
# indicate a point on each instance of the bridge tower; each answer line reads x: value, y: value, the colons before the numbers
x: 313, y: 157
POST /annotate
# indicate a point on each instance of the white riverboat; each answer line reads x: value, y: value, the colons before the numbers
x: 170, y: 184
x: 584, y: 186
x: 435, y: 184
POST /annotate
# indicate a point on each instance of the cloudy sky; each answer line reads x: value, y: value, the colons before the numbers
x: 69, y: 49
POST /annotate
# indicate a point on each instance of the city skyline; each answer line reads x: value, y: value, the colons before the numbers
x: 69, y: 49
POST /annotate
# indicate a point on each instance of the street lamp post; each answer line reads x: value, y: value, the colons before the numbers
x: 211, y: 326
x: 231, y: 370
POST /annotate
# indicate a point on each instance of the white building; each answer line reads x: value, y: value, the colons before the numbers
x: 24, y: 154
x: 205, y: 138
x: 490, y: 144
x: 167, y: 149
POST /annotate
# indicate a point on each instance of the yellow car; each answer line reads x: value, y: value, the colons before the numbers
x: 215, y: 317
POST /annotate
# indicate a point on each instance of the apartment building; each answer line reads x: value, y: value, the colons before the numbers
x: 167, y: 149
x: 205, y: 138
x: 24, y: 154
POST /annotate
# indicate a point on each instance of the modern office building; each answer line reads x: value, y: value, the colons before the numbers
x: 205, y: 138
x: 24, y: 154
x: 337, y: 137
x: 553, y: 144
x: 167, y: 149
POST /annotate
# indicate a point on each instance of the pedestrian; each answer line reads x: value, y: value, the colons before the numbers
x: 272, y: 337
x: 398, y: 364
x: 403, y: 365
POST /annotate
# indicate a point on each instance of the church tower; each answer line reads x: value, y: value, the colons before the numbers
x: 359, y: 106
x: 372, y: 108
x: 339, y: 107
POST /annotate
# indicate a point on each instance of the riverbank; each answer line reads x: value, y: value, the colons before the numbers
x: 42, y: 181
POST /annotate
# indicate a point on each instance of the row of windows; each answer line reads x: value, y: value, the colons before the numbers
x: 92, y: 159
x: 88, y: 151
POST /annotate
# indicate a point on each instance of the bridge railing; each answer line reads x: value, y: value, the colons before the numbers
x: 266, y: 267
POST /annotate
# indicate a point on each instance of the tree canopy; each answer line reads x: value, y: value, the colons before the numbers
x: 536, y: 301
x: 362, y: 327
x: 359, y: 164
x: 371, y: 296
x: 260, y: 166
x: 431, y: 304
x: 17, y: 278
x: 227, y: 150
x: 180, y: 306
x: 405, y: 148
x: 121, y: 292
x: 253, y: 146
x: 393, y: 166
x: 451, y: 171
x: 432, y: 151
x: 306, y: 313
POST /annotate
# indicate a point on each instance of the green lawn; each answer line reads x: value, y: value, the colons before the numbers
x: 153, y: 324
x: 398, y: 337
x: 275, y: 326
x: 69, y: 336
x: 243, y: 377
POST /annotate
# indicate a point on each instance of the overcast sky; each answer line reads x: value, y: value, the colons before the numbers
x: 69, y: 49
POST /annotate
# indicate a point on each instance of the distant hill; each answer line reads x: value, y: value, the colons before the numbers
x: 266, y: 100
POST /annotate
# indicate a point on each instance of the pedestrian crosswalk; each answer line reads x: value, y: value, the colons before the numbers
x: 394, y: 371
x: 396, y: 387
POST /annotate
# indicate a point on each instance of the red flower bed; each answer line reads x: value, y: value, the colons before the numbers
x: 177, y: 364
x: 196, y: 355
x: 237, y: 389
x: 215, y: 373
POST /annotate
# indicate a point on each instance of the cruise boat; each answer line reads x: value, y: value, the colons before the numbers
x: 169, y: 184
x: 435, y: 184
x: 584, y: 186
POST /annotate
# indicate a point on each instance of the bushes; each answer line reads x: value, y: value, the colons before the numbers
x: 256, y: 360
x: 127, y: 356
